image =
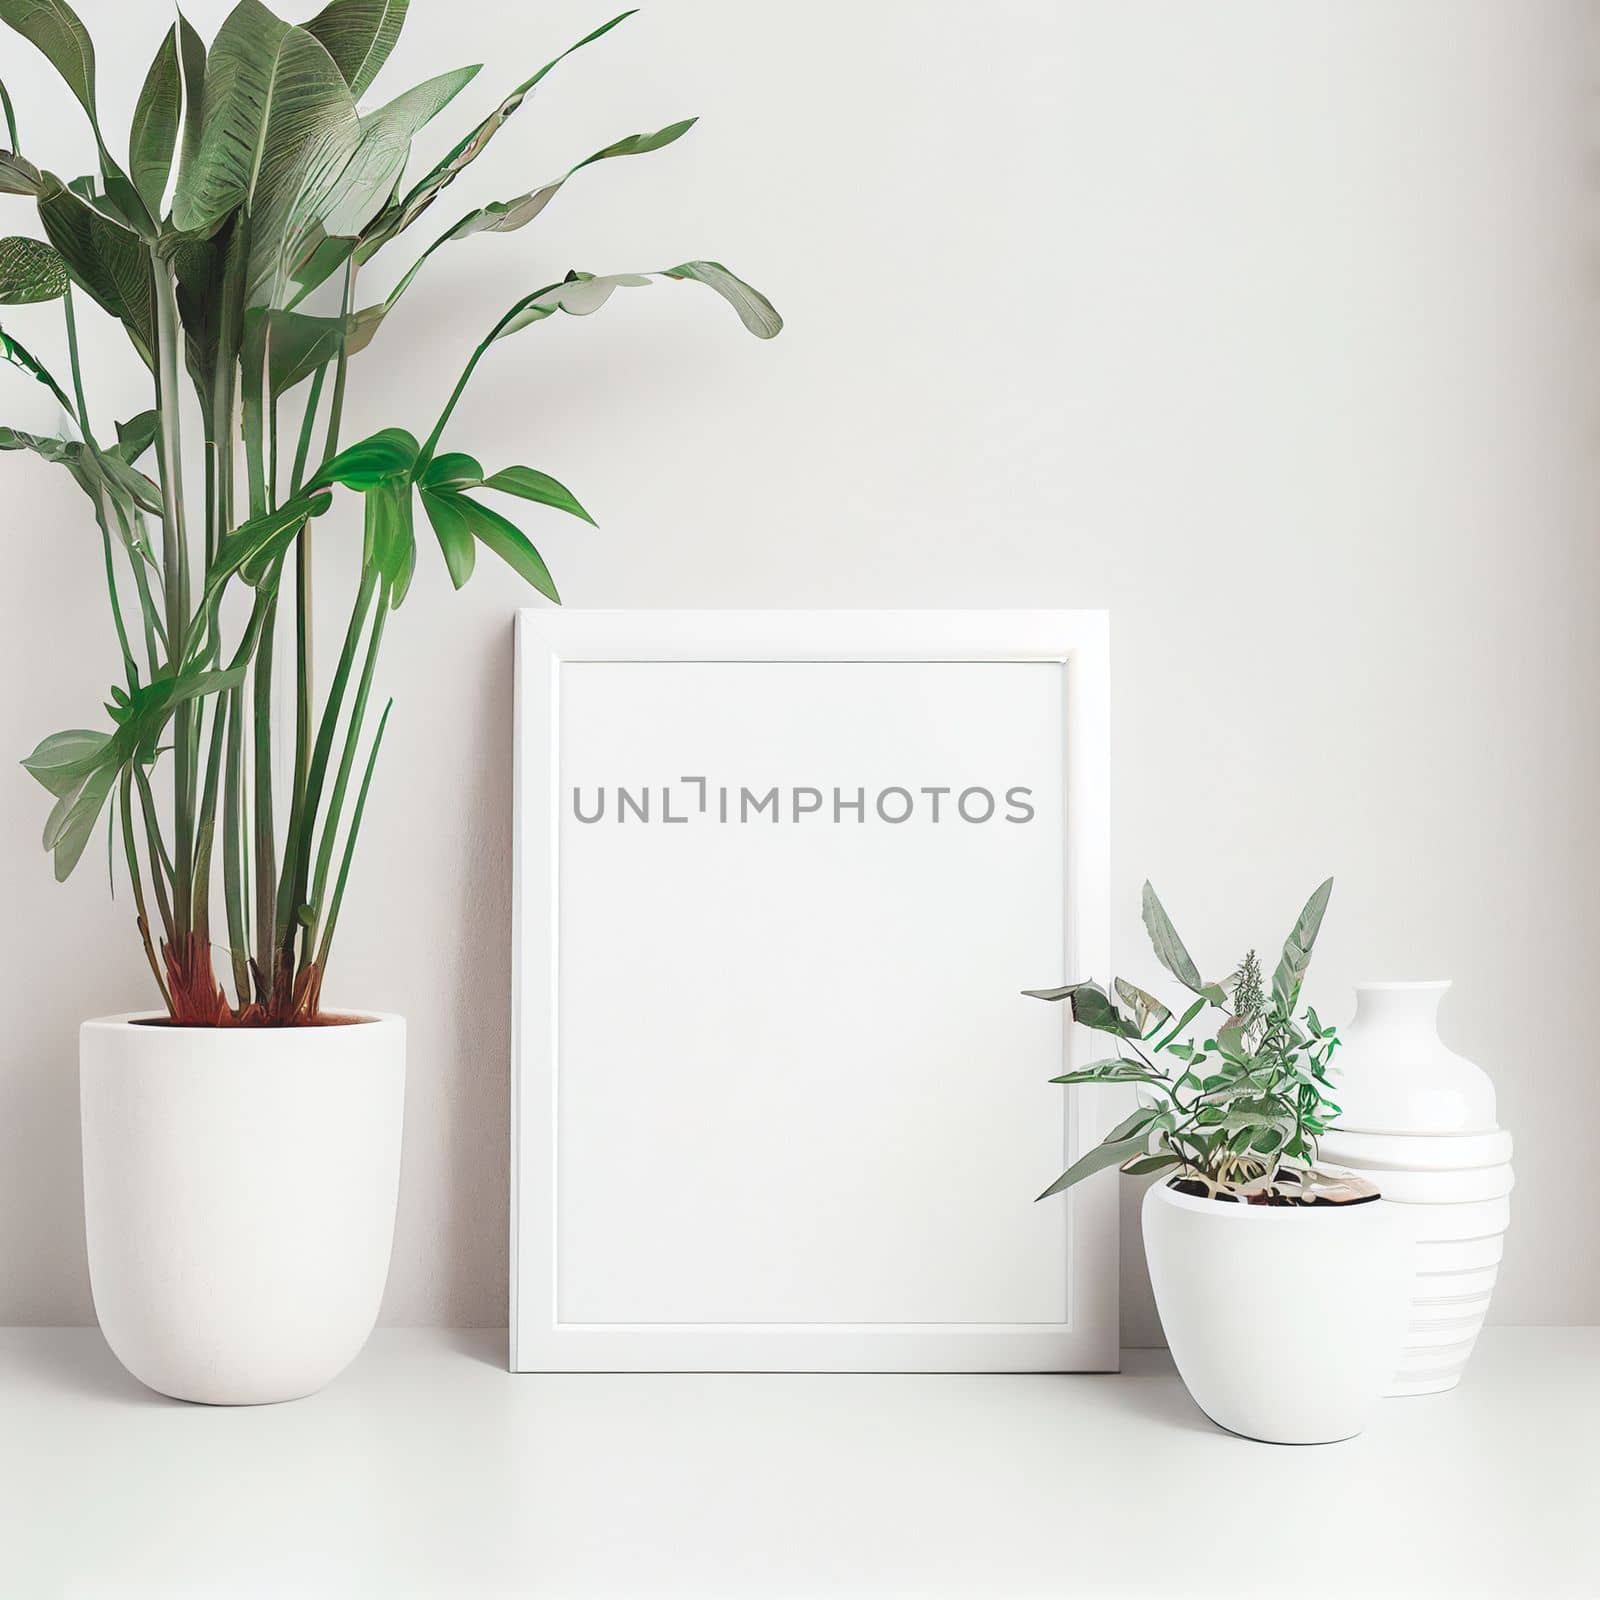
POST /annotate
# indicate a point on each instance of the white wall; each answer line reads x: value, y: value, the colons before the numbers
x: 1266, y: 325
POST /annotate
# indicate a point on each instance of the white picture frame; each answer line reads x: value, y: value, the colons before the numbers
x: 776, y: 1100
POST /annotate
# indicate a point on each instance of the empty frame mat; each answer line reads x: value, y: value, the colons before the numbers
x: 778, y: 1103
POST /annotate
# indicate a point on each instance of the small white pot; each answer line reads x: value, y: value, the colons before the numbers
x: 239, y: 1190
x: 1285, y: 1322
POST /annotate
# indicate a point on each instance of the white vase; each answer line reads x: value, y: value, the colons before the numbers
x: 1419, y: 1121
x: 239, y: 1190
x: 1284, y: 1321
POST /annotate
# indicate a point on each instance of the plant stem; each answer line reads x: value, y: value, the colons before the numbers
x: 102, y: 498
x: 160, y: 867
x: 304, y: 666
x: 308, y: 422
x: 342, y: 367
x: 341, y: 781
x: 131, y: 853
x: 233, y: 849
x: 265, y: 844
x: 175, y: 560
x: 302, y: 590
x: 128, y: 664
x: 432, y: 443
x: 206, y: 832
x: 350, y: 848
x: 293, y: 886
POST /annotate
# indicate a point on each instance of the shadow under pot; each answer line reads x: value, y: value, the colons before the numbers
x: 1284, y: 1321
x: 239, y: 1190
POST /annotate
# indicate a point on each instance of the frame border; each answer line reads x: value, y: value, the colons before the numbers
x: 545, y: 639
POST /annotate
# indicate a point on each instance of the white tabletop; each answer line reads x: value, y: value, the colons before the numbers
x: 429, y: 1470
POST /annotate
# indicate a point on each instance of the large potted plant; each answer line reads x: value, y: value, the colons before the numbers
x: 1282, y: 1288
x: 242, y: 1145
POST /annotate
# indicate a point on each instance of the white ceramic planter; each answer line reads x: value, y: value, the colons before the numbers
x: 1285, y: 1322
x: 1419, y: 1120
x: 239, y: 1192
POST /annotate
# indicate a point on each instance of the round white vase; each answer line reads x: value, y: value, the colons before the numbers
x: 1419, y: 1120
x: 1284, y: 1321
x: 239, y: 1190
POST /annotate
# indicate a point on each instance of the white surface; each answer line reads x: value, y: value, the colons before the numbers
x: 239, y: 1195
x: 779, y: 1102
x: 1268, y: 327
x: 427, y: 1470
x: 1286, y: 1323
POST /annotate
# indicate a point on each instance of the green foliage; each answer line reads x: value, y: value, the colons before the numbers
x: 281, y: 187
x: 30, y: 271
x: 1232, y: 1110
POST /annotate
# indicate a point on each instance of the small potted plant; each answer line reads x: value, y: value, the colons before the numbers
x: 241, y: 1146
x: 1282, y: 1288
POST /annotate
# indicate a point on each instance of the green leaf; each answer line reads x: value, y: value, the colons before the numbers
x: 297, y: 343
x: 1095, y: 1160
x: 1064, y: 992
x: 527, y: 484
x: 755, y: 310
x: 252, y: 547
x: 53, y: 28
x: 72, y: 822
x: 107, y: 259
x: 1143, y: 1166
x: 391, y: 452
x: 452, y: 527
x: 62, y: 761
x: 451, y: 471
x: 1135, y: 1122
x: 1291, y: 969
x: 581, y: 294
x: 1092, y: 1007
x: 1149, y: 1011
x: 18, y: 176
x: 155, y: 125
x: 359, y: 35
x: 1116, y: 1070
x: 506, y: 216
x: 192, y: 60
x: 1183, y: 1022
x: 94, y: 473
x: 279, y: 127
x: 506, y: 540
x: 193, y: 685
x: 136, y: 435
x: 379, y: 160
x: 30, y: 271
x: 244, y: 67
x: 391, y: 540
x: 398, y: 217
x: 1166, y: 943
x: 46, y: 446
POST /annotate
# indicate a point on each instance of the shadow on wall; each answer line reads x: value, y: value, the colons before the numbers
x: 476, y: 1228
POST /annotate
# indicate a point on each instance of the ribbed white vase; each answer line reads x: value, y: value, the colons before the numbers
x: 1419, y: 1120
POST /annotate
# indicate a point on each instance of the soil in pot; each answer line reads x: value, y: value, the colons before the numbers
x: 1286, y: 1188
